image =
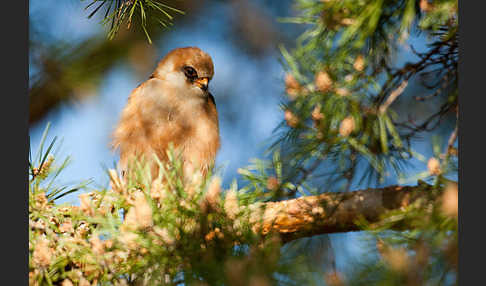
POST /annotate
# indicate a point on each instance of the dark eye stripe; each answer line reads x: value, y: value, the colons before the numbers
x: 190, y: 72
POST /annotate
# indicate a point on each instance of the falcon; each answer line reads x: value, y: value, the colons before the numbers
x: 174, y: 106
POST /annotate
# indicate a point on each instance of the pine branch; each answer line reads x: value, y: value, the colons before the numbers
x: 124, y: 11
x: 339, y: 212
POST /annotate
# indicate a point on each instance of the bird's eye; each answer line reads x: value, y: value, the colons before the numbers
x: 190, y: 72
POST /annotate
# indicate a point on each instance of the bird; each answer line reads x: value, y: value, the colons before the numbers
x: 172, y: 108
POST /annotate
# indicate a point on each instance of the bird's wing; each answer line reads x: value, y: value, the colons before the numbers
x: 145, y: 127
x: 130, y: 135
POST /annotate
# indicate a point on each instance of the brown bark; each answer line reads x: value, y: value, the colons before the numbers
x: 337, y: 212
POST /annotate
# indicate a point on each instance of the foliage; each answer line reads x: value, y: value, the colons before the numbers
x: 169, y: 232
x: 123, y: 11
x: 154, y: 232
x: 341, y: 129
x: 342, y: 80
x: 428, y: 254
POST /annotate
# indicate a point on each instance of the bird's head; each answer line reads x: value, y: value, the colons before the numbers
x: 189, y: 70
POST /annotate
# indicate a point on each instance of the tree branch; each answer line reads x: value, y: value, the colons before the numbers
x: 336, y: 212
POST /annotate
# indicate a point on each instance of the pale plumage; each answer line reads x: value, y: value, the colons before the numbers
x: 173, y: 106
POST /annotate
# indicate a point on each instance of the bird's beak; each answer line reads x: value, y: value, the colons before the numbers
x: 202, y: 83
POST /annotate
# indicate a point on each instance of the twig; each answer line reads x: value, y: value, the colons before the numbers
x: 393, y: 96
x: 453, y: 138
x: 445, y: 83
